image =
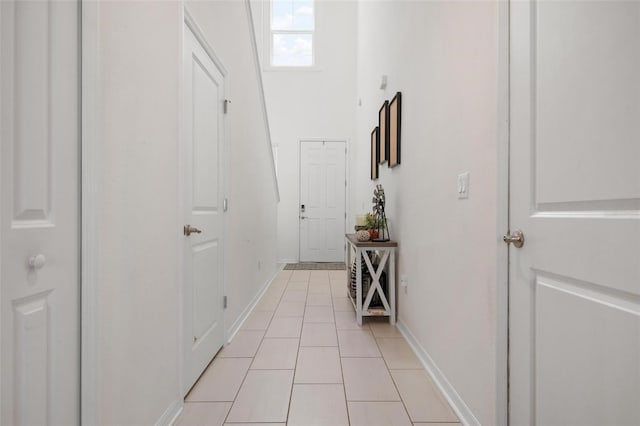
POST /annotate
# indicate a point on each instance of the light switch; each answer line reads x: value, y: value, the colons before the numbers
x: 463, y: 185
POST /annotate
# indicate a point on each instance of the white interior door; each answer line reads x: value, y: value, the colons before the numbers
x: 574, y: 286
x: 39, y: 218
x: 203, y: 195
x: 322, y: 201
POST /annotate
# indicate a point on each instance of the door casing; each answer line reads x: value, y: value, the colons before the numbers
x: 502, y: 216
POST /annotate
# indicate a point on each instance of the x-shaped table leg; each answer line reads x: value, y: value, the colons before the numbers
x: 375, y: 280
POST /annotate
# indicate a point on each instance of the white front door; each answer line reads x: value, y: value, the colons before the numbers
x: 322, y: 201
x: 574, y: 286
x: 202, y: 177
x: 40, y: 213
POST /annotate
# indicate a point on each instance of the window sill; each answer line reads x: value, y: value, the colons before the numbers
x: 271, y: 68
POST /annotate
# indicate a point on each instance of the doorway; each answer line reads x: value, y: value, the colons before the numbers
x: 203, y: 201
x: 323, y: 187
x: 574, y: 273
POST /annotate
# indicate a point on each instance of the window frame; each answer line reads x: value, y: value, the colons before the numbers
x: 270, y: 35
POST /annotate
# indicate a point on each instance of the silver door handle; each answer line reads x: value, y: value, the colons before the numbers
x: 188, y: 230
x: 517, y: 238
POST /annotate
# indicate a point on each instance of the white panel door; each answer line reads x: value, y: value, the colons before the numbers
x: 203, y: 195
x: 574, y: 310
x: 322, y: 201
x: 39, y: 218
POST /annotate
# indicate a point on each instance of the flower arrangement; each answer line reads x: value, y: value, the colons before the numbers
x: 374, y: 224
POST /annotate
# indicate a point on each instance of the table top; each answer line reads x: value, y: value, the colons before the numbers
x: 353, y: 240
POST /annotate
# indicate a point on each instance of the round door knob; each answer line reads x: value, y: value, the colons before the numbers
x: 517, y: 238
x: 37, y: 261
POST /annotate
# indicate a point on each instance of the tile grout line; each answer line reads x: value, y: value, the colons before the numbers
x: 344, y: 387
x: 392, y: 379
x: 295, y: 367
x: 252, y: 359
x: 280, y: 299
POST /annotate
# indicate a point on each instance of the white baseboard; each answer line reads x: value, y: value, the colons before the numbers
x: 285, y: 261
x: 171, y: 414
x: 458, y: 405
x: 231, y: 332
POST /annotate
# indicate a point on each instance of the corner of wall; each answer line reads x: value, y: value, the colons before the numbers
x: 171, y: 414
x: 464, y: 413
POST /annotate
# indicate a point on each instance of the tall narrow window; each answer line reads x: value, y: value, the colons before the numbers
x: 292, y: 26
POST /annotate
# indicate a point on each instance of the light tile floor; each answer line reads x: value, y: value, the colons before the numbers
x: 302, y: 359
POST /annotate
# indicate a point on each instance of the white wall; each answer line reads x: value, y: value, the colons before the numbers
x: 137, y: 218
x: 137, y: 233
x: 309, y: 104
x: 442, y: 56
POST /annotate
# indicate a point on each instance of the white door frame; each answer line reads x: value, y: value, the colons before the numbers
x: 90, y: 143
x: 346, y: 176
x: 502, y: 215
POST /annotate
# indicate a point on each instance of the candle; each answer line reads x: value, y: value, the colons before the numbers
x: 361, y: 220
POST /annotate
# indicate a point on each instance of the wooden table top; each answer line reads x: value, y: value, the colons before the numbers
x: 353, y: 240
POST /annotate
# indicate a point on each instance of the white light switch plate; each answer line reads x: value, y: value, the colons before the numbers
x: 463, y: 185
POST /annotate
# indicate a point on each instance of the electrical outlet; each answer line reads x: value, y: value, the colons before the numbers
x: 463, y: 185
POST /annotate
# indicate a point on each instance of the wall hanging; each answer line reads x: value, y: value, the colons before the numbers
x: 383, y: 124
x: 375, y: 143
x: 395, y: 112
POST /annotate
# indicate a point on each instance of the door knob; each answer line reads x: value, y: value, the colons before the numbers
x: 37, y: 261
x: 517, y: 238
x: 188, y: 230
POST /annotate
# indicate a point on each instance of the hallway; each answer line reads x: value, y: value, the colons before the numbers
x: 302, y: 359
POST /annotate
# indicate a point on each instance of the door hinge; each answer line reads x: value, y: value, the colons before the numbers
x: 224, y: 302
x: 226, y: 105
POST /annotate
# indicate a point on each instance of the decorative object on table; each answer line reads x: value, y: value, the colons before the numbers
x: 380, y: 217
x: 375, y: 144
x: 363, y: 235
x: 395, y: 113
x: 361, y: 220
x: 372, y: 226
x: 383, y: 125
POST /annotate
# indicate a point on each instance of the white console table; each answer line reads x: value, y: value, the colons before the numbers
x: 357, y: 250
